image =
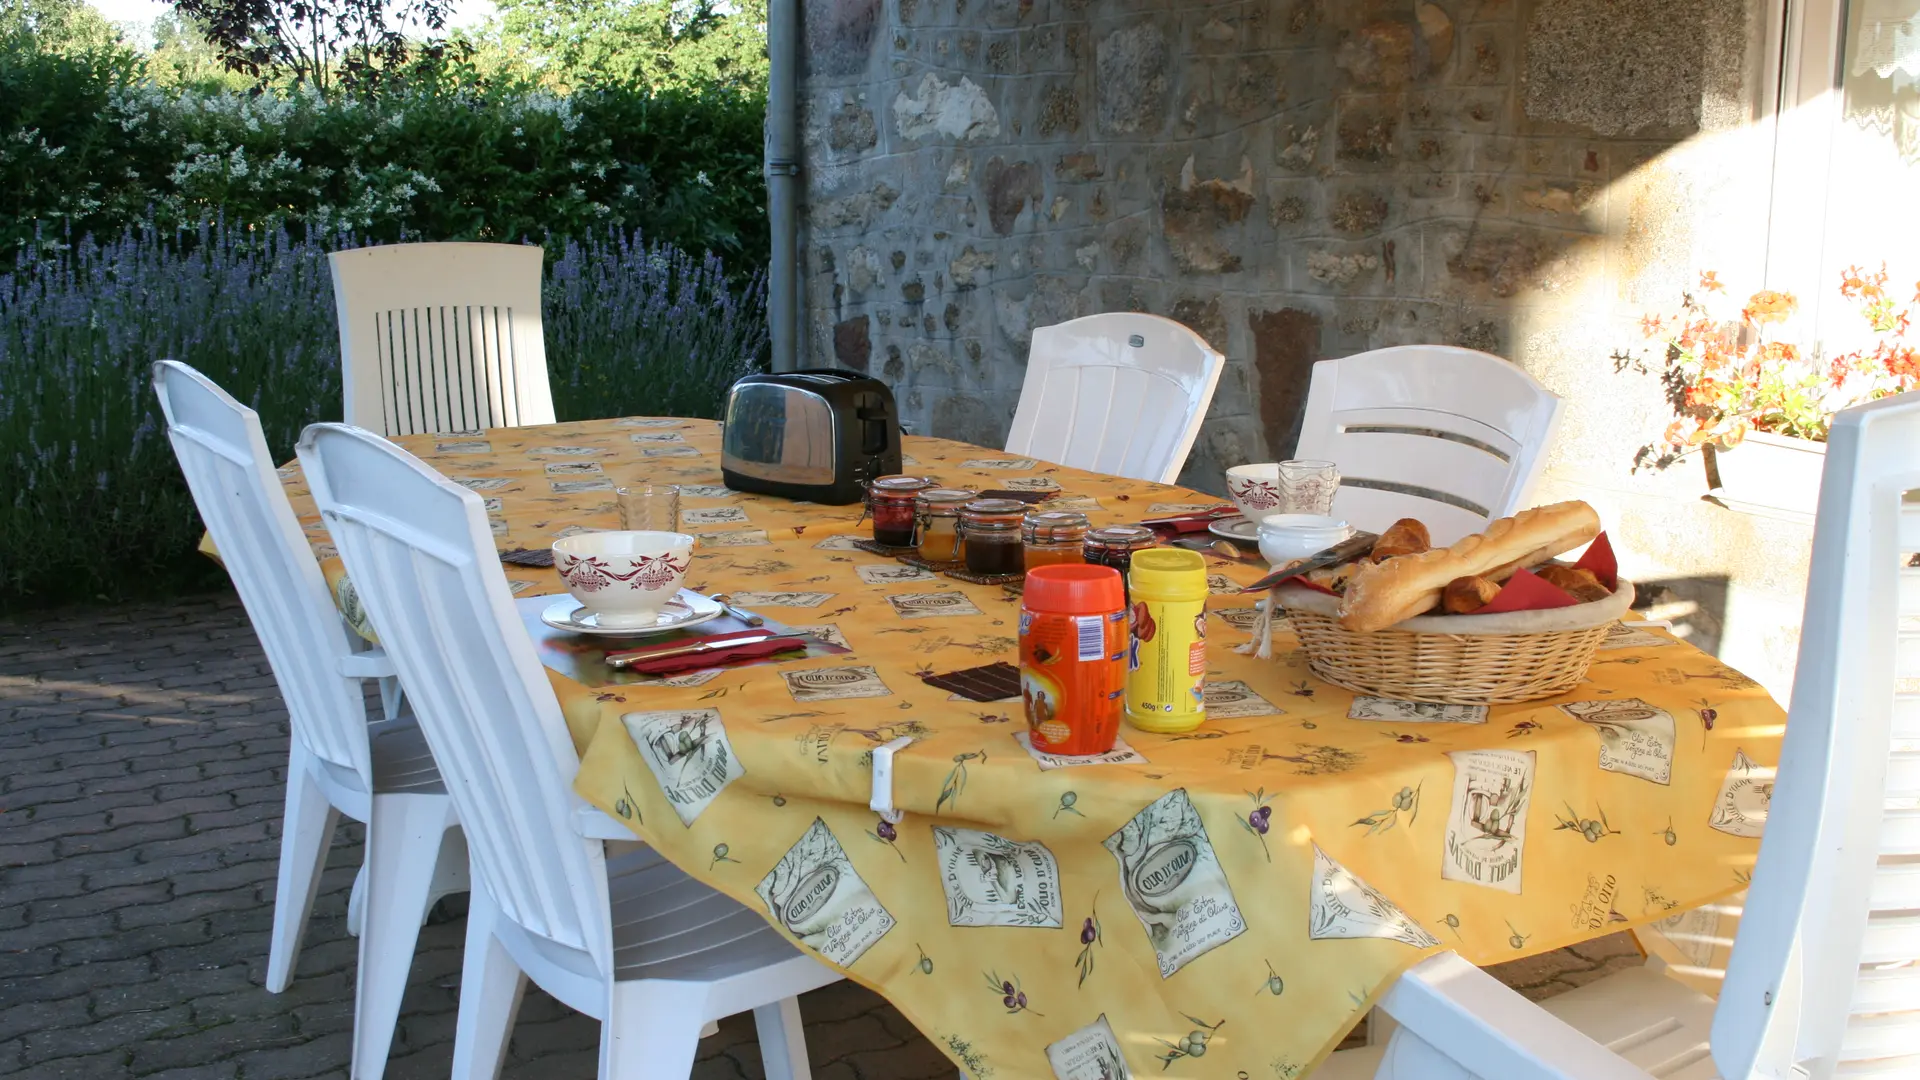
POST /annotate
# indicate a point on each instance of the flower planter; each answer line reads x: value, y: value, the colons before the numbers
x: 1768, y: 474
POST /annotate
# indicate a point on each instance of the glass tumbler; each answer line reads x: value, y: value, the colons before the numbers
x: 1308, y: 487
x: 649, y: 507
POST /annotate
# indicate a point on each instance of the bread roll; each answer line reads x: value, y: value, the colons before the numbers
x: 1464, y: 596
x: 1576, y: 582
x: 1382, y: 594
x: 1404, y: 537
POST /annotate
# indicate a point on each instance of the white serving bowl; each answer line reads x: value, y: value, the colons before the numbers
x: 1287, y: 537
x: 624, y: 578
x: 1255, y: 489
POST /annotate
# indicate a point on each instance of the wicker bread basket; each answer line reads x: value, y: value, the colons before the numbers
x: 1455, y: 659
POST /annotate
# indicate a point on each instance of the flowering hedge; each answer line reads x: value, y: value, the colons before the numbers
x: 87, y: 145
x: 94, y: 506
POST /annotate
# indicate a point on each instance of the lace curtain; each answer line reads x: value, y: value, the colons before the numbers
x: 1882, y: 83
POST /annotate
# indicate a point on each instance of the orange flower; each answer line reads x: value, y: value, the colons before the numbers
x: 1651, y: 325
x: 1768, y: 306
x: 1701, y: 393
x: 1681, y: 431
x: 1779, y: 352
x: 1710, y: 281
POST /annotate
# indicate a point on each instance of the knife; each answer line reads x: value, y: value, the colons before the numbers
x: 1345, y: 551
x: 719, y: 641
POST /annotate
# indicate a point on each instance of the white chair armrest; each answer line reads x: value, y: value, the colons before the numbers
x: 1473, y: 1020
x: 594, y: 824
x: 371, y: 664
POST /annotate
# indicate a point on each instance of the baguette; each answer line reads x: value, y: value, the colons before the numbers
x: 1382, y: 594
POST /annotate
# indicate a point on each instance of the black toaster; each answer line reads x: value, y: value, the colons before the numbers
x: 812, y: 435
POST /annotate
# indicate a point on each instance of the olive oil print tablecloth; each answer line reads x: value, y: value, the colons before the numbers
x: 1224, y: 903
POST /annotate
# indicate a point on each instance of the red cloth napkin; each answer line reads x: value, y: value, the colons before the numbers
x: 695, y: 661
x: 1600, y: 559
x: 1524, y: 591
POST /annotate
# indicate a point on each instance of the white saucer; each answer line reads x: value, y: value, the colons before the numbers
x: 688, y: 608
x: 1241, y: 529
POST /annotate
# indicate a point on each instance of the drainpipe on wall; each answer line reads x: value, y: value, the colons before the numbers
x: 783, y: 172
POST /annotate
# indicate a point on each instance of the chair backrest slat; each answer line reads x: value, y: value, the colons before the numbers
x: 441, y: 337
x: 1122, y: 394
x: 223, y: 453
x: 420, y: 553
x: 1451, y: 436
x: 1825, y: 972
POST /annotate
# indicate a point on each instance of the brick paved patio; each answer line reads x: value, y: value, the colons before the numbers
x: 142, y: 752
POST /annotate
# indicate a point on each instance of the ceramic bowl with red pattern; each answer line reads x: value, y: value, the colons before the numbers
x: 623, y: 578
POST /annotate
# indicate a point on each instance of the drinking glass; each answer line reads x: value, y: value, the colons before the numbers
x: 649, y: 507
x: 1308, y: 487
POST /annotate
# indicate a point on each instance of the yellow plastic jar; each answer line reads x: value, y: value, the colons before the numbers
x: 1167, y: 661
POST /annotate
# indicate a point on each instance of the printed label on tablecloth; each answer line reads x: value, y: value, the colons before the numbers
x: 1694, y: 934
x: 780, y: 599
x: 1011, y: 465
x: 1243, y: 618
x: 1343, y: 906
x: 827, y: 632
x: 1415, y: 712
x: 1121, y: 754
x: 657, y: 437
x: 1174, y: 882
x: 834, y: 683
x: 492, y: 505
x: 482, y: 483
x: 993, y: 881
x: 652, y: 422
x: 575, y: 530
x: 1745, y: 796
x: 712, y: 515
x: 518, y: 587
x: 1487, y: 822
x: 814, y: 892
x: 932, y: 605
x: 1622, y: 636
x: 497, y: 526
x: 1231, y: 699
x: 697, y: 678
x: 574, y: 468
x: 689, y: 754
x: 669, y: 451
x: 564, y: 451
x: 707, y: 491
x: 1635, y: 738
x: 890, y: 573
x: 1083, y: 503
x: 1222, y: 585
x: 1092, y: 1053
x: 1031, y: 483
x: 842, y: 542
x: 1180, y: 508
x: 467, y: 447
x: 571, y: 487
x: 734, y: 538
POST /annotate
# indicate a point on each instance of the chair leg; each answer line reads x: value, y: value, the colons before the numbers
x: 449, y: 873
x: 403, y: 844
x: 390, y: 696
x: 306, y: 832
x: 783, y: 1041
x: 651, y: 1032
x: 491, y: 986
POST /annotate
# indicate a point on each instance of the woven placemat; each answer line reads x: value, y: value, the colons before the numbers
x: 878, y: 548
x: 913, y: 558
x: 986, y: 579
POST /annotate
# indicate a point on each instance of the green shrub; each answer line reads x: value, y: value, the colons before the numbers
x: 88, y: 146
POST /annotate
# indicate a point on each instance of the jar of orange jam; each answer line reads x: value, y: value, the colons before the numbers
x: 1054, y: 537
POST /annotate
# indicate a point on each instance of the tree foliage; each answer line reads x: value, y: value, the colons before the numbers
x: 655, y: 43
x: 315, y: 42
x: 56, y: 26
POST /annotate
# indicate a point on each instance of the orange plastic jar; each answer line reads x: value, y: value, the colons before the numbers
x: 1073, y: 658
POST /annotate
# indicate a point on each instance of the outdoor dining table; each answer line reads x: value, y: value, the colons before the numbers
x: 1222, y: 903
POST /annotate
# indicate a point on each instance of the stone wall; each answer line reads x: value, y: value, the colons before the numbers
x: 1298, y: 179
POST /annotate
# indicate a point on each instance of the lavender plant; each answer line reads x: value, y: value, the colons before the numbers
x: 93, y: 505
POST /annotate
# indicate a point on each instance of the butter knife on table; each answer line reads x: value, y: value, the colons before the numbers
x: 718, y: 642
x: 1345, y: 551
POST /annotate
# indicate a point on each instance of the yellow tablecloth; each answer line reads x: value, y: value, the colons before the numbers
x: 1219, y: 904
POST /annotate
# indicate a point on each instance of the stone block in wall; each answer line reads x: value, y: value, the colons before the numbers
x: 1199, y: 220
x: 937, y: 109
x: 1485, y: 56
x: 839, y: 35
x: 1366, y: 133
x: 850, y: 128
x: 853, y: 343
x: 1204, y: 316
x: 1632, y: 66
x: 1471, y: 109
x: 1133, y: 78
x: 1498, y: 261
x: 1008, y: 189
x: 1286, y: 345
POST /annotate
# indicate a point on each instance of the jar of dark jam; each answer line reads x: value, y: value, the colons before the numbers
x: 1114, y: 546
x: 1054, y: 537
x: 990, y: 536
x: 893, y: 501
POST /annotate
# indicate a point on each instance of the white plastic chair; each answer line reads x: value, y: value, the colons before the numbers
x: 441, y: 337
x: 627, y: 939
x: 1450, y: 436
x: 1121, y: 394
x: 340, y: 763
x: 1824, y: 979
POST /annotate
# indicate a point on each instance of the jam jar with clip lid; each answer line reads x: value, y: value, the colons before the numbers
x: 940, y: 523
x: 893, y: 501
x: 990, y: 536
x: 1054, y: 537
